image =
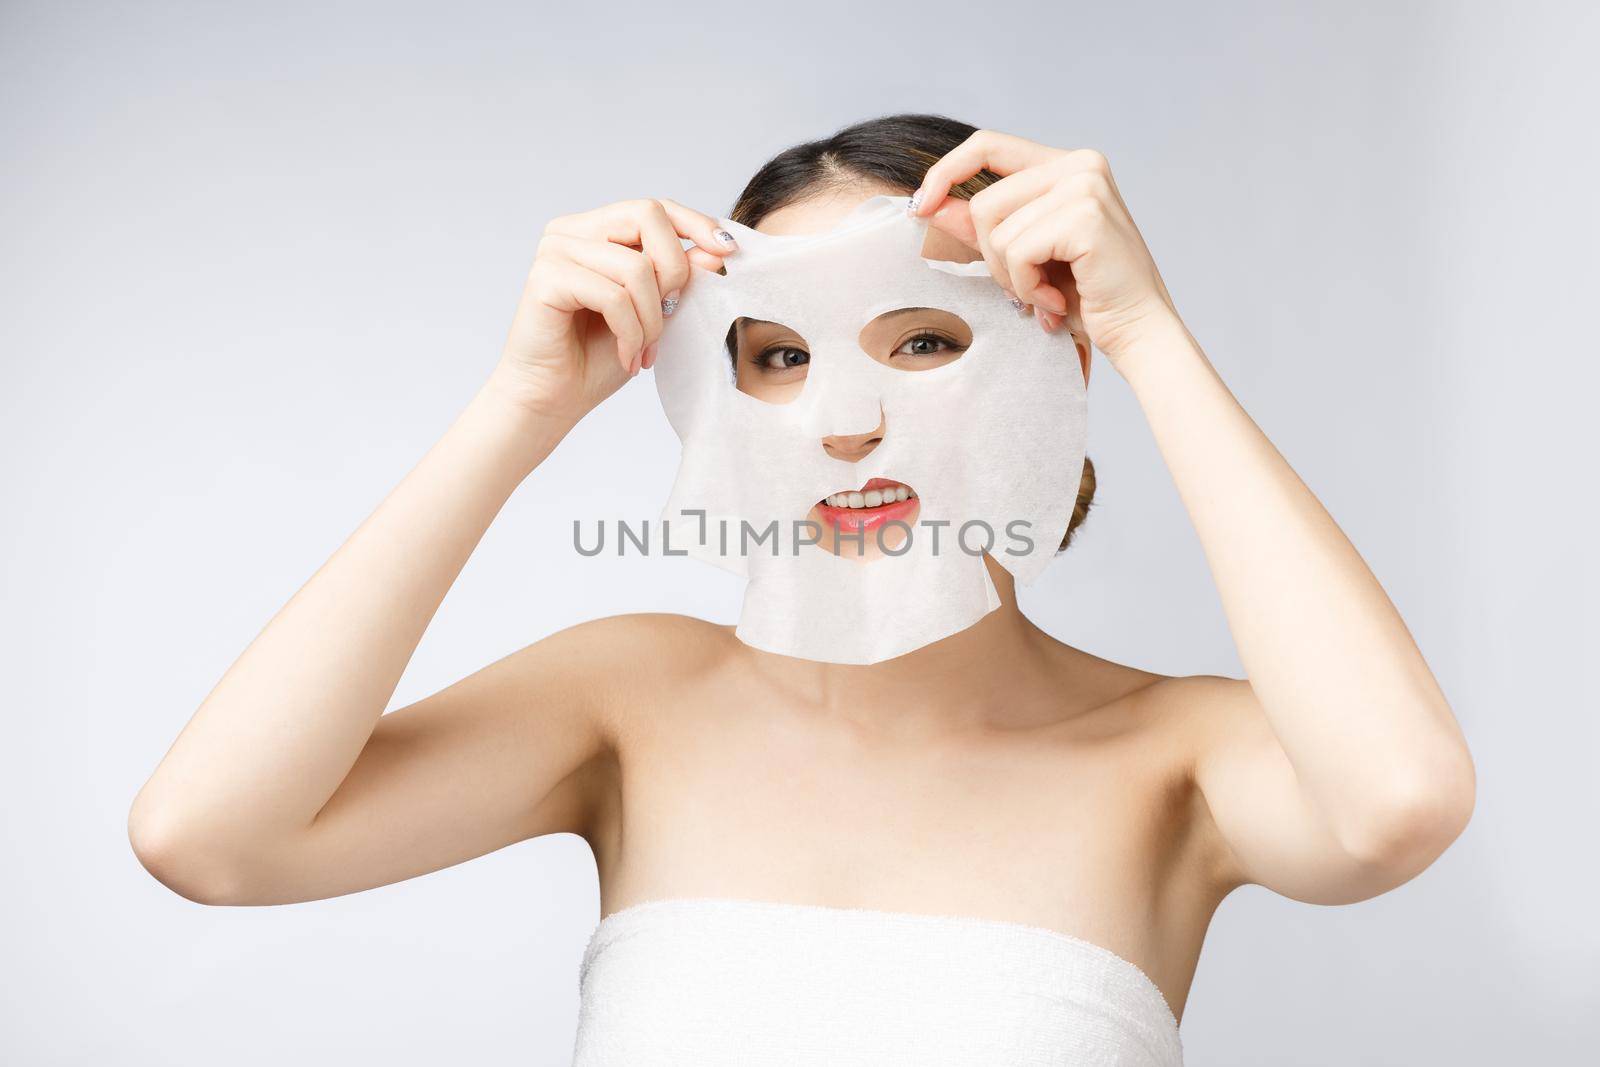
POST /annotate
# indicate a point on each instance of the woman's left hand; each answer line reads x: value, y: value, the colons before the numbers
x: 1337, y: 770
x: 1055, y: 234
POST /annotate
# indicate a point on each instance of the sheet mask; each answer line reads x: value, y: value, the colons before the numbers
x: 989, y: 441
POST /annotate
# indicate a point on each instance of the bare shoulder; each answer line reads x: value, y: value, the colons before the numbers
x: 1197, y: 695
x: 652, y: 630
x: 1102, y: 688
x: 615, y: 664
x: 1199, y: 707
x: 1208, y: 710
x: 1197, y: 716
x: 657, y: 645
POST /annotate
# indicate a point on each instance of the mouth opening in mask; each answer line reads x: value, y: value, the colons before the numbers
x: 857, y: 522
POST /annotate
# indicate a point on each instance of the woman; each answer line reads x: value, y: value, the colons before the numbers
x: 1045, y: 802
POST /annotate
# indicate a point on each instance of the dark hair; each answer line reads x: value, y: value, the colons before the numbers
x: 896, y: 151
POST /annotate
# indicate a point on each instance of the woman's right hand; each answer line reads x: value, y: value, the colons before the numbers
x: 591, y: 312
x: 290, y: 782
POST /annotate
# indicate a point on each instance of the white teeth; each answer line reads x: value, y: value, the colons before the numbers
x: 872, y: 498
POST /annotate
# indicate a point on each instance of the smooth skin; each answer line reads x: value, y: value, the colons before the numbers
x: 998, y: 773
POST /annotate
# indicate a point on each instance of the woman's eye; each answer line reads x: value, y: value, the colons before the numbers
x: 783, y: 358
x: 926, y: 344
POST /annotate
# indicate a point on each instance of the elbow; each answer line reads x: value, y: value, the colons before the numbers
x: 1425, y: 811
x: 182, y: 859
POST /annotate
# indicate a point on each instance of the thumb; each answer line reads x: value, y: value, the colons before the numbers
x: 954, y: 217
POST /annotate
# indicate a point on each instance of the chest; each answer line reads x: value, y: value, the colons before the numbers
x: 1070, y: 828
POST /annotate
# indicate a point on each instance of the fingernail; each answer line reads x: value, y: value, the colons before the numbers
x: 914, y: 203
x: 1017, y: 303
x: 647, y: 358
x: 1047, y: 320
x: 726, y: 240
x: 669, y: 303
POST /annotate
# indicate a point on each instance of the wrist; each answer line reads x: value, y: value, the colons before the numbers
x: 504, y: 419
x: 1159, y: 344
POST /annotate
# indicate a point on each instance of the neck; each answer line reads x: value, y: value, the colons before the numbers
x: 955, y: 683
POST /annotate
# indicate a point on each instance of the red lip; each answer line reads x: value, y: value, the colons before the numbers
x: 850, y: 520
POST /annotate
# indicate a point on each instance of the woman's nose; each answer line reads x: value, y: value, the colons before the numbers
x: 853, y: 448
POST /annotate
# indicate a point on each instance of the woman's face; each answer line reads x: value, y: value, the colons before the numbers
x: 771, y: 361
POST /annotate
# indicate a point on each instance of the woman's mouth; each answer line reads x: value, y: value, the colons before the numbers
x: 878, y: 502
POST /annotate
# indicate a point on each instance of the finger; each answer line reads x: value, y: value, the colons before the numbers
x: 1030, y: 282
x: 993, y: 205
x: 572, y: 288
x: 1059, y: 275
x: 1000, y: 153
x: 706, y: 232
x: 621, y: 223
x: 1050, y: 240
x: 634, y: 272
x: 704, y: 260
x: 663, y: 248
x: 954, y: 217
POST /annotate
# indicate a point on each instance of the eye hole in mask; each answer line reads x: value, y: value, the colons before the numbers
x: 916, y: 339
x: 770, y: 360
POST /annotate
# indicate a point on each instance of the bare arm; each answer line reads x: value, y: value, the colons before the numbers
x: 232, y: 813
x: 1338, y: 770
x: 289, y: 783
x: 1341, y: 735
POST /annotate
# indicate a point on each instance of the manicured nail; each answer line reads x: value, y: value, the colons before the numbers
x: 647, y: 358
x: 1046, y: 320
x: 669, y: 303
x: 726, y: 240
x: 914, y: 203
x: 1017, y: 303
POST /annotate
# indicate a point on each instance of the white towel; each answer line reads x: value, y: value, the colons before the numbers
x: 714, y: 982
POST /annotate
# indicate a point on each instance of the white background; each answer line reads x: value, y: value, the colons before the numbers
x: 254, y: 258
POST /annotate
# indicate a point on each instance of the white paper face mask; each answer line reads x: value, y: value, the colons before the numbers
x: 991, y: 444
